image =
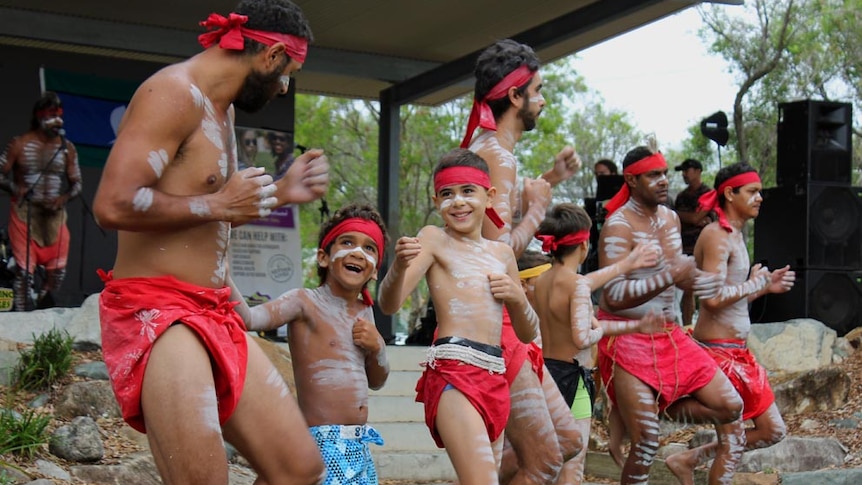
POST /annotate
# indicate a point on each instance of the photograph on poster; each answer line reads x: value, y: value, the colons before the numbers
x: 270, y: 149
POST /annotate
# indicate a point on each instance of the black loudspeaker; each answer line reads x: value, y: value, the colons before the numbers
x: 831, y: 297
x: 813, y: 226
x: 814, y: 143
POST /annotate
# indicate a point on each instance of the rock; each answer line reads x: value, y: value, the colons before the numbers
x: 78, y: 441
x: 139, y: 469
x: 850, y: 476
x: 84, y: 325
x: 854, y: 337
x: 52, y: 470
x: 92, y: 370
x: 816, y: 390
x: 841, y: 350
x: 23, y: 326
x: 90, y: 398
x: 795, y: 454
x: 797, y: 345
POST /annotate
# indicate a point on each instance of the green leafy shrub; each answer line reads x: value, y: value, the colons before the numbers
x: 47, y: 361
x: 23, y: 434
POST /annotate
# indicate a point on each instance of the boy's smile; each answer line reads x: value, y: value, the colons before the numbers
x: 462, y: 206
x: 352, y: 260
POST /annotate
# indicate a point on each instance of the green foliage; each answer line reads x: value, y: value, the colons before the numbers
x: 47, y: 361
x: 23, y: 434
x: 786, y: 50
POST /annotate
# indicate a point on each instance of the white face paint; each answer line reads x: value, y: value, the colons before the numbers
x: 342, y: 253
x: 655, y: 182
x: 537, y: 98
x: 143, y: 199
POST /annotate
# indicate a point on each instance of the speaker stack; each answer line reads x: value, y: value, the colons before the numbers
x: 813, y: 219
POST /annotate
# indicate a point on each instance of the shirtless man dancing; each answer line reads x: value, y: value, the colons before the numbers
x: 723, y: 324
x: 665, y: 372
x: 507, y: 103
x: 181, y: 364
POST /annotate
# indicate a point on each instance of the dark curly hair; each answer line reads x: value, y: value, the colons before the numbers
x: 726, y: 173
x: 282, y: 16
x: 49, y: 100
x: 360, y: 211
x: 495, y: 63
x: 564, y: 219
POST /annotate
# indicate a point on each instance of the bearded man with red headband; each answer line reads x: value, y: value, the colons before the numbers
x: 40, y: 169
x: 665, y: 373
x: 181, y: 363
x: 723, y: 324
x: 507, y: 102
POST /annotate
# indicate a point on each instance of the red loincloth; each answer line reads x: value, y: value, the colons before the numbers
x: 487, y: 392
x: 670, y: 362
x: 51, y: 257
x: 748, y: 377
x: 516, y: 352
x: 134, y: 312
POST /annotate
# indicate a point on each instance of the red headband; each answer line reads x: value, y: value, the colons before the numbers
x: 364, y: 226
x: 655, y: 161
x: 481, y: 115
x: 551, y: 243
x: 52, y: 112
x: 467, y: 175
x: 709, y: 200
x: 229, y: 33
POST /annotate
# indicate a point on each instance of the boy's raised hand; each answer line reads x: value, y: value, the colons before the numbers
x: 504, y: 288
x: 366, y: 336
x: 406, y: 249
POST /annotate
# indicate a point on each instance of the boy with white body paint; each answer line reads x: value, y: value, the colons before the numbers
x: 569, y: 329
x: 181, y: 364
x: 723, y: 324
x: 507, y: 103
x: 470, y: 278
x: 337, y: 351
x: 665, y: 372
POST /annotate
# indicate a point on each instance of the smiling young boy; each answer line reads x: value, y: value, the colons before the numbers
x: 470, y: 278
x: 337, y: 352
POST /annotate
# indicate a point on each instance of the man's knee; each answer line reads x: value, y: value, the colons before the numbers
x: 730, y: 411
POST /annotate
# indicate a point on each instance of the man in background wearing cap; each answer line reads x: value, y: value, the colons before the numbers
x: 691, y: 220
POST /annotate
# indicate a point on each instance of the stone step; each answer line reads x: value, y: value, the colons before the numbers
x: 404, y: 436
x: 394, y: 409
x: 399, y: 383
x: 405, y: 357
x: 413, y: 466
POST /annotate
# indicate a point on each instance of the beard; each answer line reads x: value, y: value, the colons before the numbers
x: 259, y: 88
x: 527, y: 118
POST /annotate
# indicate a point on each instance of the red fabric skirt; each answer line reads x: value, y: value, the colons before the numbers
x: 51, y: 257
x: 134, y: 312
x: 486, y: 391
x: 670, y: 362
x: 748, y: 377
x: 516, y: 352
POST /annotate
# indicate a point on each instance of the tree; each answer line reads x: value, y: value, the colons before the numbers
x: 796, y: 50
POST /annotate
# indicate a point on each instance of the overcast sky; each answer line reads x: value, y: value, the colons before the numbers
x: 662, y: 75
